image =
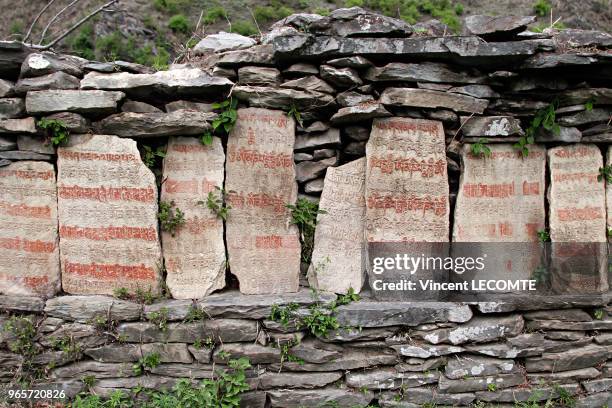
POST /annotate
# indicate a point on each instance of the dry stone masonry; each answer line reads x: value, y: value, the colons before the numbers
x: 401, y: 134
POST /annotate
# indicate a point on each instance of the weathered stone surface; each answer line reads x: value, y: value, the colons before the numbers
x: 355, y: 21
x: 388, y: 379
x: 309, y: 83
x: 21, y: 303
x: 491, y: 126
x: 81, y: 335
x: 102, y: 178
x: 425, y: 72
x: 123, y: 353
x: 258, y: 54
x: 83, y: 369
x: 194, y: 370
x: 156, y: 124
x: 94, y: 102
x: 35, y: 144
x: 314, y: 186
x: 358, y: 133
x: 604, y: 384
x: 176, y: 83
x: 223, y: 330
x: 319, y: 398
x: 337, y: 263
x: 7, y: 143
x: 480, y: 383
x: 84, y: 309
x: 188, y: 105
x: 417, y: 397
x: 360, y: 112
x: 426, y: 98
x: 6, y: 88
x: 138, y: 107
x: 263, y: 246
x: 573, y: 38
x: 477, y: 330
x: 573, y: 359
x: 17, y: 126
x: 567, y: 315
x: 269, y: 380
x: 310, y: 170
x: 118, y: 65
x: 381, y: 314
x: 328, y: 138
x: 595, y: 400
x: 341, y: 77
x: 356, y: 61
x: 348, y: 360
x: 302, y: 68
x: 222, y: 41
x: 73, y: 121
x: 24, y: 155
x: 533, y: 395
x: 254, y: 352
x: 202, y: 355
x: 352, y: 98
x: 559, y: 324
x: 586, y: 117
x: 106, y: 387
x: 565, y: 135
x: 56, y: 80
x: 37, y: 64
x: 564, y: 376
x: 473, y: 366
x: 258, y: 76
x: 491, y: 26
x: 12, y: 54
x: 194, y: 254
x: 11, y: 108
x: 28, y: 228
x: 279, y: 98
x: 577, y: 214
x: 324, y: 153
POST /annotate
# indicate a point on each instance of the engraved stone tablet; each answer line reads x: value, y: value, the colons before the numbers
x: 195, y: 255
x: 338, y: 244
x: 406, y: 192
x: 501, y: 200
x: 107, y: 204
x: 577, y: 219
x: 29, y: 245
x: 263, y: 246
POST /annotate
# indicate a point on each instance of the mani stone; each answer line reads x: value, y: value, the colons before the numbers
x: 577, y: 218
x: 406, y: 190
x: 107, y: 202
x: 338, y: 243
x: 262, y: 243
x: 29, y: 244
x: 95, y: 102
x: 501, y: 199
x: 194, y: 255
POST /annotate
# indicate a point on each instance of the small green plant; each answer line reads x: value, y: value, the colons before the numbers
x: 544, y: 118
x: 295, y: 114
x: 480, y: 148
x: 65, y: 344
x: 349, y: 297
x: 599, y: 314
x: 304, y: 215
x: 286, y: 355
x: 159, y: 318
x: 170, y: 218
x: 217, y: 203
x: 56, y: 130
x: 145, y: 297
x: 179, y: 24
x: 214, y: 14
x: 543, y: 236
x: 89, y: 380
x: 605, y: 173
x: 319, y: 321
x: 225, y: 121
x: 224, y: 355
x: 195, y: 313
x: 564, y: 397
x: 207, y: 138
x: 588, y: 106
x: 100, y: 322
x: 121, y: 293
x: 24, y: 332
x: 149, y: 156
x: 542, y: 8
x: 283, y: 314
x: 146, y: 363
x: 492, y: 387
x: 244, y: 27
x: 208, y: 343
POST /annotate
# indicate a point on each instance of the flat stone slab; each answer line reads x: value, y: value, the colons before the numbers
x: 490, y: 126
x: 280, y: 98
x: 337, y: 263
x: 577, y: 358
x: 496, y: 25
x: 477, y: 330
x: 29, y: 242
x: 18, y: 126
x: 220, y: 330
x: 94, y: 102
x: 20, y: 303
x: 156, y: 124
x: 389, y: 379
x: 194, y: 255
x: 262, y: 243
x: 426, y: 98
x: 423, y: 72
x: 84, y: 308
x: 107, y: 217
x: 11, y: 108
x: 319, y: 397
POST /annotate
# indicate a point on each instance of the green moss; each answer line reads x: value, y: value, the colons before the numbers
x: 214, y: 14
x: 244, y: 27
x: 179, y: 24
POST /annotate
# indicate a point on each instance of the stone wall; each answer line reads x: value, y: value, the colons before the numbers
x: 374, y: 118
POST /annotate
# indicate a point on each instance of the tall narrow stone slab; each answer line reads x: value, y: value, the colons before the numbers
x: 263, y: 246
x: 29, y: 244
x: 406, y: 192
x: 195, y: 255
x: 337, y: 263
x: 501, y: 200
x: 577, y: 219
x: 107, y: 204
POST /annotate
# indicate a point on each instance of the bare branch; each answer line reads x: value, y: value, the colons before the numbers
x: 77, y: 25
x: 42, y: 36
x: 36, y: 20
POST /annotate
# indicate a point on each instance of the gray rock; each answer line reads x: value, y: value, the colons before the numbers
x: 12, y: 54
x: 138, y: 107
x: 300, y: 157
x: 181, y: 122
x: 202, y: 355
x: 381, y: 314
x: 7, y: 143
x: 586, y: 117
x: 37, y: 64
x: 564, y: 376
x: 564, y: 335
x: 355, y: 148
x: 348, y: 360
x: 362, y: 112
x: 352, y: 98
x: 357, y: 133
x: 302, y: 68
x: 355, y: 62
x: 317, y: 126
x: 474, y: 366
x: 490, y: 126
x: 314, y: 186
x: 23, y: 155
x: 603, y: 96
x: 35, y: 144
x: 73, y: 121
x: 17, y: 126
x: 425, y: 98
x: 331, y: 137
x: 256, y: 55
x: 595, y: 400
x: 309, y: 83
x: 341, y: 77
x: 349, y: 334
x: 422, y: 72
x: 550, y: 60
x: 443, y: 115
x: 324, y: 153
x: 106, y: 387
x: 56, y: 358
x: 573, y: 359
x: 492, y: 26
x: 425, y: 350
x: 254, y: 352
x: 567, y: 315
x: 177, y: 83
x: 6, y: 88
x: 232, y: 304
x: 11, y: 108
x: 82, y: 369
x: 309, y: 170
x: 224, y: 72
x: 189, y: 105
x: 329, y: 396
x: 279, y: 98
x: 82, y: 335
x: 124, y: 353
x: 270, y: 380
x: 118, y: 66
x: 174, y: 309
x: 572, y: 38
x: 224, y: 330
x: 477, y: 330
x: 603, y: 339
x: 21, y: 303
x: 480, y: 383
x: 258, y: 76
x: 388, y: 379
x: 222, y: 41
x: 420, y: 364
x: 56, y: 80
x: 95, y: 102
x: 356, y: 21
x: 193, y: 370
x: 423, y: 396
x: 601, y: 385
x: 533, y: 395
x: 477, y: 91
x: 85, y: 308
x: 566, y: 135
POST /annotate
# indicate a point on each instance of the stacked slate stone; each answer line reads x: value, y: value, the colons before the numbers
x: 318, y: 86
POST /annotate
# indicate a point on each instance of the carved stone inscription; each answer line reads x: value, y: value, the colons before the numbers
x: 263, y: 245
x: 338, y: 245
x: 107, y: 204
x: 28, y: 230
x: 195, y: 255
